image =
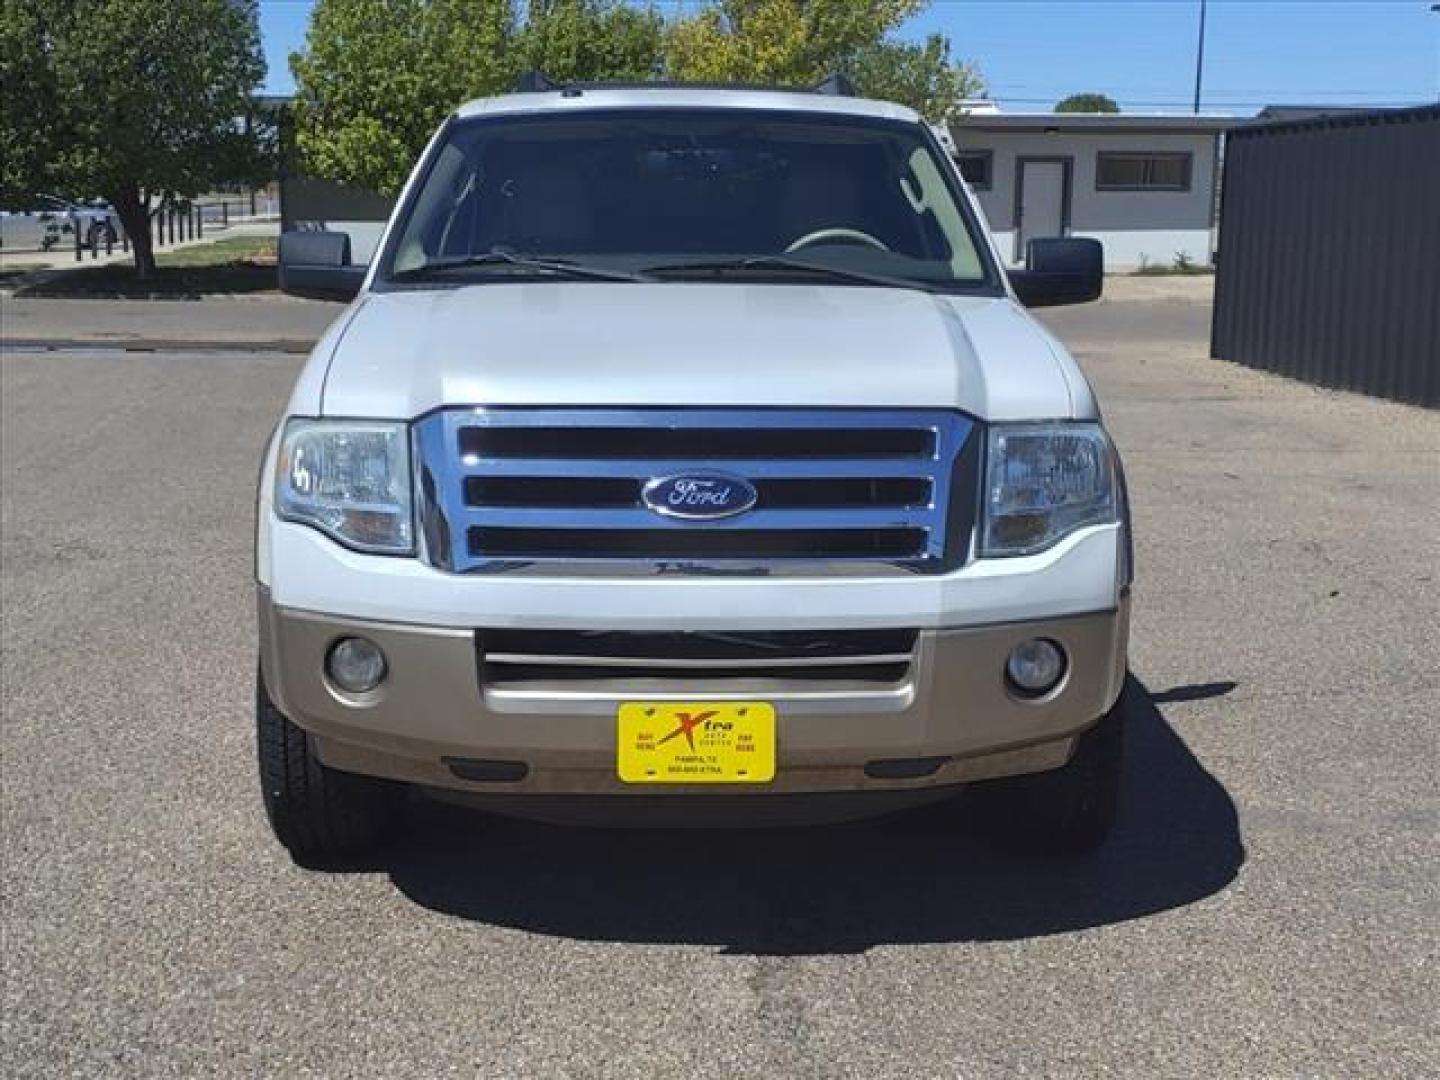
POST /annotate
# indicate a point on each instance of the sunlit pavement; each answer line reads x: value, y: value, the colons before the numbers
x: 1268, y: 905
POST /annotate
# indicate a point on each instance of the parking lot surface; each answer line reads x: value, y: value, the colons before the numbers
x: 1268, y: 905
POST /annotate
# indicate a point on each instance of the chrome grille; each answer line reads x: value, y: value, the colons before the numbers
x: 504, y: 488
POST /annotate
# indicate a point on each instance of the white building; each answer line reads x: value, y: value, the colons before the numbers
x: 1144, y: 186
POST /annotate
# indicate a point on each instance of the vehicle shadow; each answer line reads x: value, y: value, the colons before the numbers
x: 919, y: 876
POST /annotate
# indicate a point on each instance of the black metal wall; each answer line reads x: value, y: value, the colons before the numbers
x: 1329, y: 256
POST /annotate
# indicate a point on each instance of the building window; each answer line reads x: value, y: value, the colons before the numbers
x: 976, y: 167
x: 1142, y: 172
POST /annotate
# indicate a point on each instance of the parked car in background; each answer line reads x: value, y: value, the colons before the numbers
x: 49, y: 219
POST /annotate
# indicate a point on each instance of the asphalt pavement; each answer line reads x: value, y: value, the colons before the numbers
x: 1268, y: 906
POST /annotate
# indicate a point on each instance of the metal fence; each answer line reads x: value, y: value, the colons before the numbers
x: 172, y: 223
x: 1329, y: 258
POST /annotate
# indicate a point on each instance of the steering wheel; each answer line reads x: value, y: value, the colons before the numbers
x: 821, y: 236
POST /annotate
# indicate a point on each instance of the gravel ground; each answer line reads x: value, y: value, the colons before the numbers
x: 1267, y: 907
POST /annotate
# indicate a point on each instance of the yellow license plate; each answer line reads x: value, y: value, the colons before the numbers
x: 696, y: 742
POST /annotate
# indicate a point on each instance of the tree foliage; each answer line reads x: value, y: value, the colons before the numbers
x: 591, y: 40
x: 378, y: 76
x: 1088, y: 103
x: 30, y: 102
x: 919, y: 75
x: 782, y: 42
x: 799, y: 42
x: 133, y: 100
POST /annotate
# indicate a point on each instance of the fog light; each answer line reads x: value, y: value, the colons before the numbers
x: 355, y: 665
x: 1035, y: 667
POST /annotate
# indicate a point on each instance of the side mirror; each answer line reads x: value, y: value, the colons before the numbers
x: 1060, y: 272
x: 317, y: 265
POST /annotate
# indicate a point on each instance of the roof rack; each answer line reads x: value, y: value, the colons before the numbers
x: 537, y: 82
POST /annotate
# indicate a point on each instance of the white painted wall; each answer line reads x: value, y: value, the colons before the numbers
x: 1134, y: 226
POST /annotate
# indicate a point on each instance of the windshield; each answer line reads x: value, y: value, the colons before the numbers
x: 685, y: 193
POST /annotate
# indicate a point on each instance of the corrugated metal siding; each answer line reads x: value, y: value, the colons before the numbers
x: 1329, y: 262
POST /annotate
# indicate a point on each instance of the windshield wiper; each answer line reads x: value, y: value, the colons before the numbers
x: 557, y: 267
x: 761, y: 263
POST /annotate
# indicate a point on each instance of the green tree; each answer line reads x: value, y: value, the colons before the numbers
x: 781, y: 42
x: 138, y: 101
x: 919, y: 75
x: 591, y: 40
x: 30, y: 97
x: 1088, y: 103
x: 378, y: 76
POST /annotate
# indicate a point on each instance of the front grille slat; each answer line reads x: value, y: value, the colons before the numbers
x: 594, y: 492
x: 507, y: 542
x: 702, y: 443
x: 502, y: 488
x: 576, y: 518
x: 644, y: 469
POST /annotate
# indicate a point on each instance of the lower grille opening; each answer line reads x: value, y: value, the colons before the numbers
x: 769, y: 646
x: 514, y: 542
x: 697, y: 662
x: 503, y: 674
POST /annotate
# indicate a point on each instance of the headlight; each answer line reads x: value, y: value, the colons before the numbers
x: 1042, y: 482
x: 350, y: 479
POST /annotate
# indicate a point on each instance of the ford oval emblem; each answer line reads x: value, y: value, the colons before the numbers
x: 700, y: 496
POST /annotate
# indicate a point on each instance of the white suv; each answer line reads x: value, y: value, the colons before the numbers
x: 688, y: 455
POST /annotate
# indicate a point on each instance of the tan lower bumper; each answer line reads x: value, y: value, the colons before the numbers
x: 953, y: 705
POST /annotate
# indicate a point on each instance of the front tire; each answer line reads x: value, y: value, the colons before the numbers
x: 315, y: 811
x: 1068, y: 811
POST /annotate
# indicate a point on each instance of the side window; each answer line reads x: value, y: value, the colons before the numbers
x: 934, y: 198
x: 1160, y: 171
x: 977, y: 167
x: 433, y: 211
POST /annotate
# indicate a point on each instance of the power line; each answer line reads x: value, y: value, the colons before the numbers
x: 1391, y: 92
x: 1177, y: 103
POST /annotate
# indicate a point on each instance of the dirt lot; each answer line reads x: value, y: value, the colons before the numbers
x: 1268, y: 906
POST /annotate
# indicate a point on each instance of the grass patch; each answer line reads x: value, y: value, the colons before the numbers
x: 1161, y: 270
x: 233, y: 249
x: 234, y: 265
x: 11, y: 271
x: 1183, y: 266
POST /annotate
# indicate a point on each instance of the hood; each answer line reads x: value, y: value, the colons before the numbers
x: 402, y: 354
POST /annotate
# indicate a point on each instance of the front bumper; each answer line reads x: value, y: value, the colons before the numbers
x: 952, y: 712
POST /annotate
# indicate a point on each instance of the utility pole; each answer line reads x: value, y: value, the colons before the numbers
x: 1199, y: 57
x: 1436, y: 9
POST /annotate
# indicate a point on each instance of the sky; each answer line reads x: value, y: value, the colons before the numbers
x: 1140, y: 52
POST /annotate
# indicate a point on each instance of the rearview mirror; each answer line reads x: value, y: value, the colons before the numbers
x: 316, y: 265
x: 1070, y: 271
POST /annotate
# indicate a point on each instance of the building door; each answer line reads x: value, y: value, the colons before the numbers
x: 1042, y: 200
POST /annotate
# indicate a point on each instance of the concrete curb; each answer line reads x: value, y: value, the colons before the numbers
x: 152, y: 345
